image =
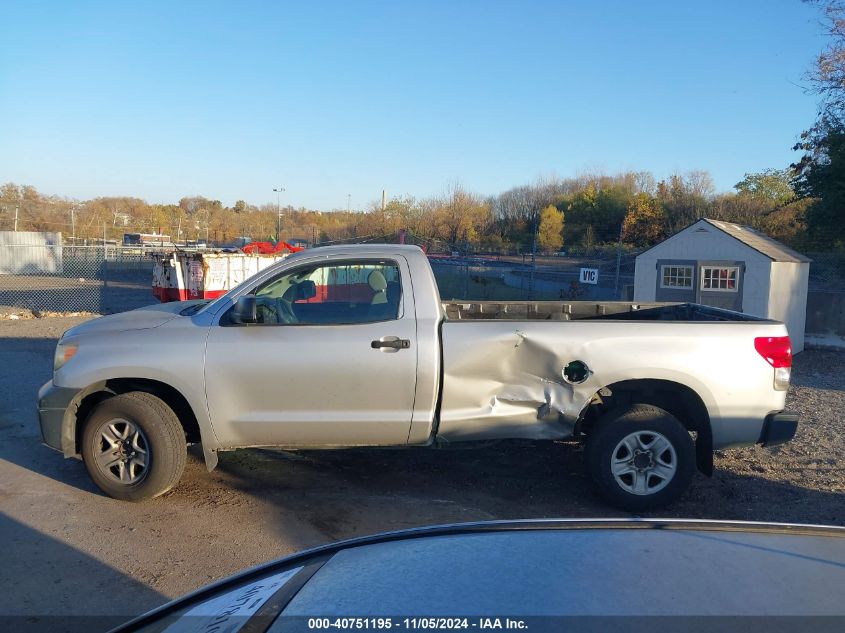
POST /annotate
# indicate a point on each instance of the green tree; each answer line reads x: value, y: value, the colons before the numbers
x: 550, y: 229
x: 820, y: 172
x: 769, y: 185
x: 821, y: 176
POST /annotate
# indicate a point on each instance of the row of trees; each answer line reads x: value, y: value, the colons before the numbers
x: 581, y: 213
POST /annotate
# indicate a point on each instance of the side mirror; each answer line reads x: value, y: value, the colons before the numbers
x: 246, y: 310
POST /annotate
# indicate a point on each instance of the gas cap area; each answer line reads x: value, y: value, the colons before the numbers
x: 576, y: 371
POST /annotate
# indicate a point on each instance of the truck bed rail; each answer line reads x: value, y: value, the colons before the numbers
x: 587, y: 310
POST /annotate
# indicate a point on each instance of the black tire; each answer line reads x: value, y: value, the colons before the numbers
x: 605, y: 446
x: 159, y: 444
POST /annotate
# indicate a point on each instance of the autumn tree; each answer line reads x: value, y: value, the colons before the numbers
x: 460, y: 217
x: 644, y: 221
x: 550, y: 229
x: 685, y: 198
x: 193, y: 204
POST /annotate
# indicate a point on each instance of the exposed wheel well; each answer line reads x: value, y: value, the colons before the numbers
x: 172, y: 397
x: 679, y: 400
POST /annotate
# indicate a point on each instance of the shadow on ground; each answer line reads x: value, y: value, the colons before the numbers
x: 41, y: 602
x: 353, y: 492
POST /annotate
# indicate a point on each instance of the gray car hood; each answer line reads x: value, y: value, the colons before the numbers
x: 140, y: 319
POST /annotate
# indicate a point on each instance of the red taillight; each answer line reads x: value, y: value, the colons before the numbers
x: 777, y: 350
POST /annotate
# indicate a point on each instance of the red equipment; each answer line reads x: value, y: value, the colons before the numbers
x: 267, y: 248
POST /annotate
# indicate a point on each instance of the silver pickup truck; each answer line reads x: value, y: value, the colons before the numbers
x: 353, y: 346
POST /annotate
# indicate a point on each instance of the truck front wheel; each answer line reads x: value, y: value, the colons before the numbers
x: 134, y: 446
x: 640, y: 458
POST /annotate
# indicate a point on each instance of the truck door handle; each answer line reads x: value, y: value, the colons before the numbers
x: 391, y: 342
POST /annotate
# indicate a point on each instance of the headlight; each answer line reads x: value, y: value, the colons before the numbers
x: 64, y: 352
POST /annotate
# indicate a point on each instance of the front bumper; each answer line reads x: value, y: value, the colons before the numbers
x: 778, y: 428
x: 53, y: 402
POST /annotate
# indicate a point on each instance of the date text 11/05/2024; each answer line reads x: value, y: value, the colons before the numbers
x: 414, y: 623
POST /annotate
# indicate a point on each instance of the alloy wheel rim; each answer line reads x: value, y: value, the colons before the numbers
x: 121, y: 451
x: 644, y: 462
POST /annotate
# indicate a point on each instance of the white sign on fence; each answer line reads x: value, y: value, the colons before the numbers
x: 589, y: 276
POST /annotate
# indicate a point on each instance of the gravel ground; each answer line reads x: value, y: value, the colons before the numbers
x: 68, y: 545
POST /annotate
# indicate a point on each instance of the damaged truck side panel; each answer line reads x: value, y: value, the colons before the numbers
x: 353, y: 346
x: 506, y: 379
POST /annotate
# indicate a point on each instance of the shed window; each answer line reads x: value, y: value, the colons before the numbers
x: 719, y: 278
x: 676, y: 277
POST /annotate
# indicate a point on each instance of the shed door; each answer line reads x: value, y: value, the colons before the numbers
x: 720, y: 284
x: 676, y: 280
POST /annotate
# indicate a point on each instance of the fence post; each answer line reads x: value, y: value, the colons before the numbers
x: 618, y: 263
x: 533, y: 261
x: 522, y: 278
x: 105, y: 279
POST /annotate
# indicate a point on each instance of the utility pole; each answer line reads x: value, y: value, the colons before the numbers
x: 383, y: 199
x: 16, y: 218
x: 279, y: 191
x: 73, y: 222
x: 348, y: 201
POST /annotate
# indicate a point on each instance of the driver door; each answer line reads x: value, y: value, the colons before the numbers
x: 332, y: 361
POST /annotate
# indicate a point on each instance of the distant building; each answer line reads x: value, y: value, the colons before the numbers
x: 238, y: 242
x: 146, y: 239
x: 30, y: 252
x: 728, y: 266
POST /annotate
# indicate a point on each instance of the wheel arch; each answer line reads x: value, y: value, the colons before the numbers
x: 676, y: 398
x: 88, y: 399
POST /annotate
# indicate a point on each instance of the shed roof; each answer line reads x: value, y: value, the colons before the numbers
x: 761, y: 242
x: 752, y: 238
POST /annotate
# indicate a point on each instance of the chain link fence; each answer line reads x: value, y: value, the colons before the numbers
x: 827, y: 272
x: 508, y: 277
x: 45, y: 278
x: 59, y: 278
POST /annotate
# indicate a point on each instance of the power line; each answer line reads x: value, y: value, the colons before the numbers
x: 349, y: 239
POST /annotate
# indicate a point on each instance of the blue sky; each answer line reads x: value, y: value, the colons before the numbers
x: 231, y: 99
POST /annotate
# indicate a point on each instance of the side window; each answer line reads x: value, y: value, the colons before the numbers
x: 335, y: 293
x: 719, y: 278
x: 676, y: 277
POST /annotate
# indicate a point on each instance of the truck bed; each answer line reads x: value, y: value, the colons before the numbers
x: 588, y: 311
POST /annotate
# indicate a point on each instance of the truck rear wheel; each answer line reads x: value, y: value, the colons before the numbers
x: 134, y: 446
x: 640, y: 458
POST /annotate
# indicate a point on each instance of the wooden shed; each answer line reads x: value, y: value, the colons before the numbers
x: 728, y: 266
